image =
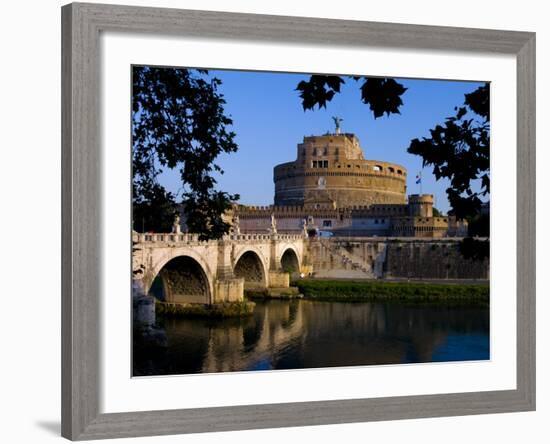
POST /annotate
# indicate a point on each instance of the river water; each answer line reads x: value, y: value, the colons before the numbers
x: 308, y: 334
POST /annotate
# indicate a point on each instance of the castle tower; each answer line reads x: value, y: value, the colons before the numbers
x: 421, y: 205
x: 331, y: 171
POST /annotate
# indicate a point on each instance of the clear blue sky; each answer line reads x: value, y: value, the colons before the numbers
x: 269, y: 121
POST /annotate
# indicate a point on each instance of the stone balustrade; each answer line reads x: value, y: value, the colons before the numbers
x: 187, y: 238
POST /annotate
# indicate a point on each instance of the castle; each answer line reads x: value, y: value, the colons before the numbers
x: 331, y: 187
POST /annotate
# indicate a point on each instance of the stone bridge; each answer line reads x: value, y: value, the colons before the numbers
x: 182, y: 269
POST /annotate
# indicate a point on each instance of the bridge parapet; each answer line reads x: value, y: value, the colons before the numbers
x: 264, y: 237
x: 187, y: 238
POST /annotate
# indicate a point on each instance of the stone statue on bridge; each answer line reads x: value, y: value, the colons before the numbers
x: 304, y: 228
x: 273, y: 228
x: 176, y: 227
x: 236, y: 224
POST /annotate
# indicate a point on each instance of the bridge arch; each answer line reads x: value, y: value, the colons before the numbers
x: 183, y: 278
x: 290, y: 261
x: 250, y: 266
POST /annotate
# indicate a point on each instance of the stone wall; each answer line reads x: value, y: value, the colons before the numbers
x: 432, y: 260
x: 393, y: 258
x: 346, y: 187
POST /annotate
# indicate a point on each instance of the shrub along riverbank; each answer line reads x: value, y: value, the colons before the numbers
x: 218, y: 311
x: 381, y: 291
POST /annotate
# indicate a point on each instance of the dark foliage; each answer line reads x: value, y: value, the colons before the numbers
x: 383, y: 95
x: 154, y: 208
x: 478, y: 101
x: 478, y: 226
x: 318, y: 90
x: 458, y: 150
x: 472, y: 248
x: 178, y: 122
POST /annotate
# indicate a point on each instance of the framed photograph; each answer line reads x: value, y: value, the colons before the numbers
x: 278, y: 221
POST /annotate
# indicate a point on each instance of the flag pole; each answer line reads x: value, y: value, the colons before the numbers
x: 419, y: 180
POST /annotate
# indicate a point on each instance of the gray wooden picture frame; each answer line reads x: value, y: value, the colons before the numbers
x: 81, y: 231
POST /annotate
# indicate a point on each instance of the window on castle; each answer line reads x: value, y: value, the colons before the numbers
x: 377, y: 168
x: 319, y: 163
x: 327, y: 223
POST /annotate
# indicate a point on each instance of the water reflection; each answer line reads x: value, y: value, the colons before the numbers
x: 307, y: 334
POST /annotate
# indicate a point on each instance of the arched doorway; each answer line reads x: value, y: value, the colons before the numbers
x: 290, y: 262
x: 181, y: 280
x: 250, y: 267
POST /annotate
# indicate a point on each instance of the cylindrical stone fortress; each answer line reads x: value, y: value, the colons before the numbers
x: 331, y: 169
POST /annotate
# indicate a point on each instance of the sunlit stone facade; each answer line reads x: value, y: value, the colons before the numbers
x: 332, y: 187
x: 332, y: 169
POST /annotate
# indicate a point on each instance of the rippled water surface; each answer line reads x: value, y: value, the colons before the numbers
x: 307, y: 334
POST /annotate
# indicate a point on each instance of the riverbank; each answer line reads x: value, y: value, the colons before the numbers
x: 403, y: 292
x: 274, y: 293
x: 216, y: 311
